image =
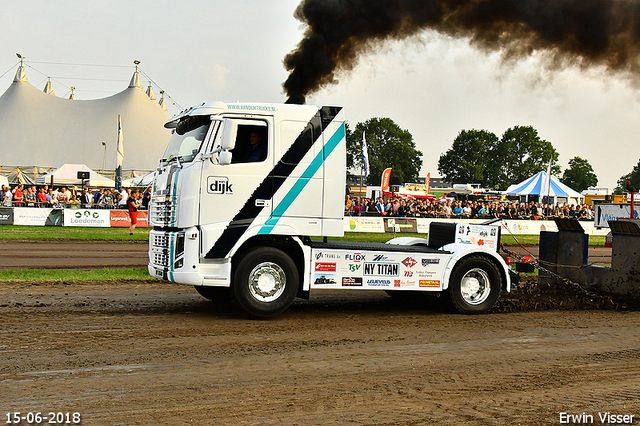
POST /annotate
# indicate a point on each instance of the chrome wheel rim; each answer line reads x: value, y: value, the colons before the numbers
x: 267, y: 282
x: 475, y: 286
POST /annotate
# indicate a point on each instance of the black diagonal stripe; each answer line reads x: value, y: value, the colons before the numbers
x: 274, y: 180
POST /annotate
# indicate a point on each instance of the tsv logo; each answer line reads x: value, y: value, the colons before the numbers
x: 219, y: 185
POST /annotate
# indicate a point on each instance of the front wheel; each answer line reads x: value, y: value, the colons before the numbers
x: 265, y: 281
x: 475, y: 285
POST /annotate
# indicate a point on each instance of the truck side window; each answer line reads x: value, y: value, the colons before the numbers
x: 251, y: 144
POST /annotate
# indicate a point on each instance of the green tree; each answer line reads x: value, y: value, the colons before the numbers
x: 468, y: 159
x: 518, y: 155
x: 388, y: 146
x: 579, y: 175
x: 633, y: 177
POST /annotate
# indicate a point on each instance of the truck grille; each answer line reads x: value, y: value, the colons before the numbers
x: 160, y: 259
x: 165, y: 248
x: 162, y: 211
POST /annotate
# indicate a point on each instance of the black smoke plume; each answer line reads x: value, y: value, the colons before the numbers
x: 577, y: 32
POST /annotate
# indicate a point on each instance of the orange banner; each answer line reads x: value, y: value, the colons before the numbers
x: 120, y: 219
x: 386, y: 176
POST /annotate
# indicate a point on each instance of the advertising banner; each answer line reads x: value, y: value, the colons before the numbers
x: 363, y: 224
x: 6, y: 216
x: 400, y: 224
x: 120, y: 219
x: 30, y: 216
x: 55, y: 218
x: 607, y: 212
x: 87, y: 217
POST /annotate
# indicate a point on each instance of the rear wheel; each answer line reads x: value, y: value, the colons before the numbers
x: 475, y: 285
x: 265, y: 281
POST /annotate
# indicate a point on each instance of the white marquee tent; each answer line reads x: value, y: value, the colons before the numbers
x: 536, y: 185
x: 68, y: 175
x: 38, y: 128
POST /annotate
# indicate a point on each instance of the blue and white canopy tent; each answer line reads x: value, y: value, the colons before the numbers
x: 536, y: 185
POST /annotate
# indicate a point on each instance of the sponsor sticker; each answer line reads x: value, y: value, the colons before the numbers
x: 381, y: 269
x: 322, y: 255
x: 351, y: 282
x: 409, y: 262
x: 378, y: 283
x: 354, y: 267
x: 355, y: 257
x: 427, y: 262
x: 430, y: 283
x: 325, y: 266
x: 324, y: 279
x: 380, y: 258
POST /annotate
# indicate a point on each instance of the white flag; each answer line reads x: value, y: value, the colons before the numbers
x: 546, y: 183
x: 365, y: 157
x: 119, y: 156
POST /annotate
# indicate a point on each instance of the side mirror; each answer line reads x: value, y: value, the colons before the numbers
x: 224, y: 158
x: 229, y: 134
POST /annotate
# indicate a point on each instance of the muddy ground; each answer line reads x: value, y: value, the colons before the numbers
x: 131, y: 353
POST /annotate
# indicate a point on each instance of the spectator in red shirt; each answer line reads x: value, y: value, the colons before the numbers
x: 42, y: 197
x: 17, y: 196
x: 133, y: 204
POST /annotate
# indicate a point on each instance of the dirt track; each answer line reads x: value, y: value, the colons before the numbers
x: 156, y: 354
x: 131, y: 353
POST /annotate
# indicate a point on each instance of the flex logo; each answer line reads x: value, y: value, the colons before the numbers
x: 355, y: 257
x: 219, y: 185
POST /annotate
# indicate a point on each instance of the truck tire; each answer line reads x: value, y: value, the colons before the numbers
x: 474, y: 287
x: 215, y: 294
x: 265, y: 282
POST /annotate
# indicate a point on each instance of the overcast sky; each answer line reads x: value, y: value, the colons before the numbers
x: 431, y: 86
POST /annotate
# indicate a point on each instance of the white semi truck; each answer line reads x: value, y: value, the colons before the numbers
x: 247, y: 194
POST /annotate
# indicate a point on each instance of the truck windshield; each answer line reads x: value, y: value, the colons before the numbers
x: 187, y: 138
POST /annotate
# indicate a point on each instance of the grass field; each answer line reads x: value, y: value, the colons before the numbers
x: 73, y: 275
x: 50, y: 233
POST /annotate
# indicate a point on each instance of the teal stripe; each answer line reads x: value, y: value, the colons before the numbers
x: 302, y: 181
x: 174, y: 208
x: 171, y: 252
x: 173, y: 197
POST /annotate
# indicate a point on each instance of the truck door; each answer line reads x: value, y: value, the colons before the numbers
x: 237, y: 196
x: 298, y: 203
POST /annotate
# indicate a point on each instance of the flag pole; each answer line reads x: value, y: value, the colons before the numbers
x: 119, y: 157
x: 365, y: 161
x: 362, y: 168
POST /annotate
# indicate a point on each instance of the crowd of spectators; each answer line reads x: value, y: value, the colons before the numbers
x: 63, y: 197
x: 431, y: 208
